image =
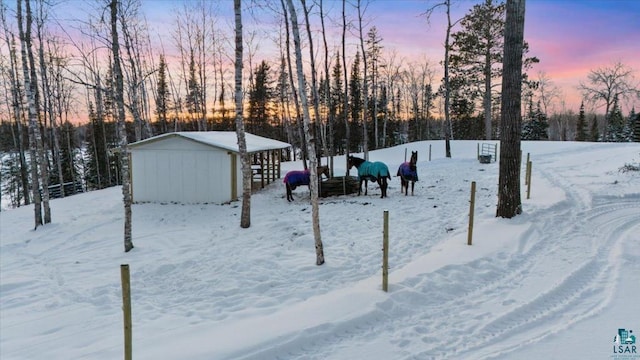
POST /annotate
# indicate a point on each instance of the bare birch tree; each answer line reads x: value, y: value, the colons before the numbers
x: 609, y: 83
x: 36, y: 150
x: 448, y: 133
x: 15, y: 99
x: 314, y: 82
x: 245, y: 217
x: 122, y: 132
x: 313, y: 183
x: 365, y: 80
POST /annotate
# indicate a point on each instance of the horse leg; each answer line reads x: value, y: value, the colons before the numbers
x: 383, y: 186
x: 413, y: 183
x: 366, y: 186
x: 289, y: 195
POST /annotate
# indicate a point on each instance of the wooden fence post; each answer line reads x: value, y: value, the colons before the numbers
x: 526, y: 174
x: 529, y: 166
x: 429, y: 152
x: 477, y: 151
x: 472, y: 204
x: 405, y: 154
x: 126, y: 307
x: 385, y: 252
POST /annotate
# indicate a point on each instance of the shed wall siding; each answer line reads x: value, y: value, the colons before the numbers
x: 185, y: 176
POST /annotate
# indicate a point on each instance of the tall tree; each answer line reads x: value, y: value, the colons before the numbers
x: 336, y: 109
x: 245, y: 217
x: 38, y: 165
x: 536, y: 125
x: 581, y: 125
x: 356, y: 101
x: 260, y: 98
x: 313, y: 183
x: 294, y: 93
x: 330, y: 104
x: 509, y: 202
x: 447, y: 81
x: 476, y: 50
x: 345, y: 97
x: 594, y: 134
x: 608, y: 83
x: 373, y: 54
x: 15, y: 109
x: 615, y: 124
x: 636, y: 129
x: 122, y: 131
x: 365, y: 81
x: 314, y: 82
x: 163, y: 96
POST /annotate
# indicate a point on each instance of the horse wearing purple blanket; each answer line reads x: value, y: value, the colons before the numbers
x: 295, y: 178
x: 408, y: 172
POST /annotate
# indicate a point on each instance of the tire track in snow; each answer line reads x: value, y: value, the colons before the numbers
x: 463, y: 291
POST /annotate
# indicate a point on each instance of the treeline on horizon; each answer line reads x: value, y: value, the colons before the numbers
x: 364, y: 100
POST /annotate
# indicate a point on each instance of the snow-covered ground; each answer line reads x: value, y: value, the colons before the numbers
x: 556, y: 282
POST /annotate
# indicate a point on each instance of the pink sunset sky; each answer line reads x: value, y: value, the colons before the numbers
x: 570, y: 37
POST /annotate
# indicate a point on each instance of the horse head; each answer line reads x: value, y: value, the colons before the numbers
x: 324, y: 169
x: 414, y: 160
x: 354, y: 161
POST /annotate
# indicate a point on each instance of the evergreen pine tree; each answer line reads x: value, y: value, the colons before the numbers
x: 636, y: 129
x: 594, y: 134
x: 163, y: 96
x: 615, y: 124
x: 629, y: 126
x: 581, y: 125
x: 537, y: 125
x: 69, y: 150
x: 355, y: 102
x: 259, y: 99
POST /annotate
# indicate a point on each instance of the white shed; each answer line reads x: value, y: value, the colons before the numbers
x: 197, y: 167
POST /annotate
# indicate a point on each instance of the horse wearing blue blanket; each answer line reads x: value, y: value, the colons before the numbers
x: 408, y: 172
x: 296, y: 178
x: 374, y: 171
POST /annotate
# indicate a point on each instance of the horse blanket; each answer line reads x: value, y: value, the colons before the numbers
x: 297, y: 178
x: 373, y: 171
x: 406, y: 173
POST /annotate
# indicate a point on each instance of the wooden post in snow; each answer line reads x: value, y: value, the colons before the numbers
x: 385, y: 252
x: 472, y: 204
x: 529, y: 166
x: 526, y: 174
x: 126, y: 307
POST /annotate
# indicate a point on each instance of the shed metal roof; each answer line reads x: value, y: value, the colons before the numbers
x: 227, y: 140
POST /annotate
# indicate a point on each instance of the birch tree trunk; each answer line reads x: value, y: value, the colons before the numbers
x: 313, y: 183
x: 447, y: 86
x: 122, y: 131
x: 327, y: 89
x: 509, y: 202
x: 345, y: 100
x: 34, y: 129
x: 301, y: 135
x: 14, y: 85
x: 47, y: 98
x: 365, y: 88
x: 245, y: 218
x: 314, y: 83
x: 43, y: 159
